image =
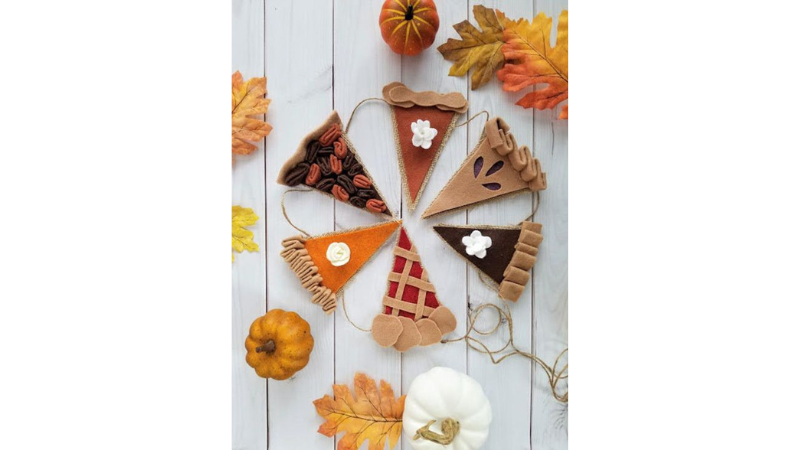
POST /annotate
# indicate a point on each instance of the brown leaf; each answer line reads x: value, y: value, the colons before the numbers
x: 531, y: 60
x: 247, y: 101
x: 479, y: 49
x: 371, y: 415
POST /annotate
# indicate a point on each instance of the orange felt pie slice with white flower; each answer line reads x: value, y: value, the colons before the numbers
x: 497, y: 167
x: 324, y: 264
x: 423, y: 122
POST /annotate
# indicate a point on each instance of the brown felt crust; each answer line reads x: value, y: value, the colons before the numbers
x: 398, y: 94
x: 295, y: 254
x: 300, y: 154
x: 403, y: 136
x: 520, y: 172
x: 517, y: 274
x: 386, y: 329
x: 409, y: 337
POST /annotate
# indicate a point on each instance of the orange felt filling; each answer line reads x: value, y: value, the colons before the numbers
x: 363, y: 244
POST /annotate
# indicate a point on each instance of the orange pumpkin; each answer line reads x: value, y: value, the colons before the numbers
x: 279, y: 344
x: 409, y: 26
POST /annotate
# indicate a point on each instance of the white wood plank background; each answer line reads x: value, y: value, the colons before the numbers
x: 328, y: 54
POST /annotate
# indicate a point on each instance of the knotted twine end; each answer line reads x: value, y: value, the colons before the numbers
x: 450, y: 429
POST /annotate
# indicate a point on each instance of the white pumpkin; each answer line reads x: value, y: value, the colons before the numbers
x: 456, y: 404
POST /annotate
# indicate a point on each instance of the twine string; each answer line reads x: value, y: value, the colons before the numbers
x: 473, y: 117
x: 347, y: 316
x: 350, y: 119
x: 535, y: 206
x: 286, y: 216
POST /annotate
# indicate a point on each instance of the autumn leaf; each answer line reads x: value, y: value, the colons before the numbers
x: 371, y: 415
x: 531, y: 60
x: 243, y: 238
x: 248, y: 100
x: 479, y: 49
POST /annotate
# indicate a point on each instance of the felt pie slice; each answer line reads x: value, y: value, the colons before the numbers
x: 423, y: 122
x: 325, y: 263
x: 412, y: 314
x: 497, y: 167
x: 504, y: 254
x: 327, y: 161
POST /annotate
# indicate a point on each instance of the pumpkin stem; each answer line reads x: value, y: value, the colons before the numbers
x: 410, y: 12
x: 269, y: 347
x: 450, y: 429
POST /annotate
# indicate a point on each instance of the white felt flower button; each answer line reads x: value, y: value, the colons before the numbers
x: 477, y: 244
x: 423, y: 134
x: 338, y: 254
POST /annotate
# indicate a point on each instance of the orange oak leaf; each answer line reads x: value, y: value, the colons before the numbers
x: 248, y: 100
x: 371, y: 415
x: 531, y: 60
x: 478, y: 49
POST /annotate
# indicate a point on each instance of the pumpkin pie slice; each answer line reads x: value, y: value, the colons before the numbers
x: 412, y: 313
x: 324, y: 264
x: 504, y: 254
x: 423, y: 122
x: 326, y: 161
x: 497, y: 167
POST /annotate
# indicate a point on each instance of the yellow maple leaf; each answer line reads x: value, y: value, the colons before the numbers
x: 248, y: 100
x: 243, y: 238
x: 531, y: 60
x: 477, y: 48
x: 371, y: 415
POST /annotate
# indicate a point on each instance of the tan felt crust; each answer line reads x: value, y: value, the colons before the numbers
x: 398, y: 94
x: 429, y: 331
x: 410, y: 337
x: 517, y: 274
x: 519, y: 171
x: 444, y: 319
x: 296, y: 255
x: 386, y: 329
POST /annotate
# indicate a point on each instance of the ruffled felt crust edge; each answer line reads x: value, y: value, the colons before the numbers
x: 517, y: 273
x: 295, y: 254
x: 398, y: 94
x: 404, y: 333
x: 528, y: 167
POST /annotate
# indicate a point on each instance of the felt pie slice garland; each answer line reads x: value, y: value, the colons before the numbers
x: 412, y: 314
x: 423, y: 122
x: 504, y: 254
x: 496, y: 167
x: 327, y: 161
x: 324, y: 264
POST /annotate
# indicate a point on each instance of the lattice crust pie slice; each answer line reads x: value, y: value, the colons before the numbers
x: 412, y: 314
x: 324, y: 264
x: 504, y: 254
x: 327, y: 161
x: 423, y: 122
x: 497, y: 167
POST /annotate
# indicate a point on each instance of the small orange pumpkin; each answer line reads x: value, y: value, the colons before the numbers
x: 409, y: 26
x: 279, y: 344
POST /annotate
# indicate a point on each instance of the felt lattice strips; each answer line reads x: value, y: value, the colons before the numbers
x: 326, y: 161
x: 507, y: 259
x: 412, y: 314
x: 497, y: 167
x: 324, y: 264
x: 423, y: 122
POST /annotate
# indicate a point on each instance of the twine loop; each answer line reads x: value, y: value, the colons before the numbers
x: 450, y: 429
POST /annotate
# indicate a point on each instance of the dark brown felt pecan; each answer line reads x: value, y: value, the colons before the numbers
x: 297, y: 175
x: 340, y: 193
x: 346, y: 183
x: 312, y: 150
x: 376, y: 205
x: 362, y: 181
x: 355, y: 169
x: 325, y: 151
x: 336, y: 164
x: 325, y: 184
x: 314, y: 175
x: 348, y: 160
x: 325, y: 166
x: 340, y: 148
x: 367, y: 194
x: 358, y: 202
x: 330, y: 135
